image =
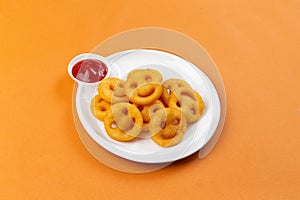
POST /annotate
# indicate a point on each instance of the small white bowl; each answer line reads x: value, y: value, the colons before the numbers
x: 85, y: 56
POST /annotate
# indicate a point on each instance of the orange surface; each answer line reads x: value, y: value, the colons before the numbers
x: 256, y: 46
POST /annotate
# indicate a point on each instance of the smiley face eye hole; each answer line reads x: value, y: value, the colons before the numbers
x: 193, y: 111
x: 155, y: 110
x: 163, y: 124
x: 148, y: 78
x: 125, y: 111
x: 176, y: 121
x: 133, y: 85
x: 121, y: 85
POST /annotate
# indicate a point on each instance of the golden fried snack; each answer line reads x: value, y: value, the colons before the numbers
x: 146, y: 94
x: 139, y: 105
x: 143, y: 86
x: 139, y: 77
x: 189, y: 101
x: 168, y: 127
x: 147, y: 111
x: 124, y: 123
x: 112, y: 90
x: 99, y: 107
x: 170, y: 86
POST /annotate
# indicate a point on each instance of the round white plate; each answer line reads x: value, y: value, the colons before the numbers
x: 144, y: 149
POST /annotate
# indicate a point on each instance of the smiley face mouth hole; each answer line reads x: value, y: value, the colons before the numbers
x: 147, y: 93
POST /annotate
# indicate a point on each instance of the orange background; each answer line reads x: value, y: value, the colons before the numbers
x: 256, y: 46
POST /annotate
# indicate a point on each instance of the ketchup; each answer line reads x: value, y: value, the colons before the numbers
x: 89, y: 70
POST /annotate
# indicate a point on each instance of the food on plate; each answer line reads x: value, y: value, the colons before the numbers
x: 100, y: 107
x: 146, y: 94
x: 170, y: 86
x: 189, y: 101
x: 143, y: 86
x: 143, y: 103
x: 147, y: 111
x: 168, y: 127
x: 124, y: 122
x: 112, y: 90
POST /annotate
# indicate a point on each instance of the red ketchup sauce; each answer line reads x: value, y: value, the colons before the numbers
x: 89, y: 70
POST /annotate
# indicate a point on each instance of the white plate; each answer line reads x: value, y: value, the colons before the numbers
x: 144, y: 149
